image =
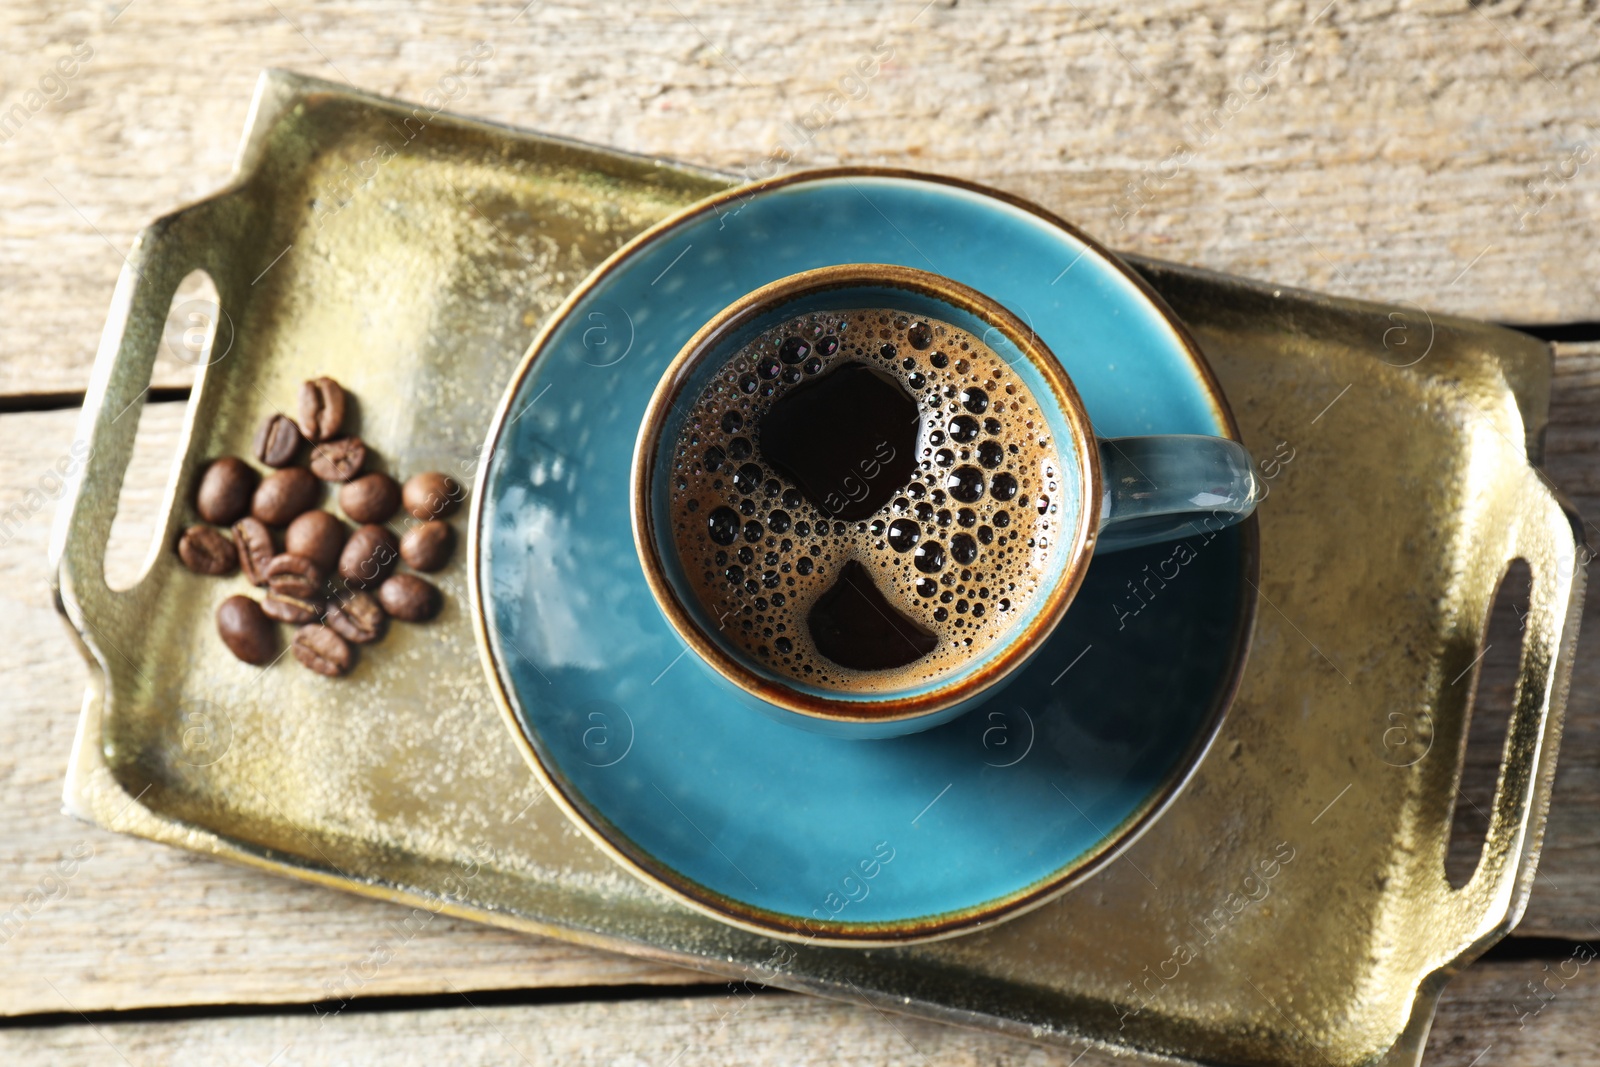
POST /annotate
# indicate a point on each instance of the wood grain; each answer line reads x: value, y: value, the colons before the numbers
x: 1488, y: 1017
x: 1438, y: 152
x: 96, y: 921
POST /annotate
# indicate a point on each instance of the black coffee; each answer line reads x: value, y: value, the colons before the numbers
x: 819, y: 434
x: 854, y: 625
x: 864, y: 500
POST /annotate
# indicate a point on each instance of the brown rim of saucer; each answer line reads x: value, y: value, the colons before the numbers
x: 646, y: 867
x: 1044, y: 616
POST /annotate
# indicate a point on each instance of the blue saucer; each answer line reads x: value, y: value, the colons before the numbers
x: 794, y: 833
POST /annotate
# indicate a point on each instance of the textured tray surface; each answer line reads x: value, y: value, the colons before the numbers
x: 402, y: 780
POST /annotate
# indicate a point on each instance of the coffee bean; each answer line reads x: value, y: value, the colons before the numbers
x: 405, y: 596
x: 370, y: 498
x: 321, y: 409
x: 295, y: 576
x: 247, y: 632
x: 318, y: 536
x: 338, y: 461
x: 368, y: 556
x: 426, y: 547
x: 277, y: 441
x: 431, y: 495
x: 224, y: 494
x: 290, y: 609
x: 253, y: 541
x: 205, y: 550
x: 322, y: 650
x: 284, y: 494
x: 358, y: 617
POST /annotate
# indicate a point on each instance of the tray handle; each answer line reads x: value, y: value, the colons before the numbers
x: 194, y: 237
x: 1548, y: 535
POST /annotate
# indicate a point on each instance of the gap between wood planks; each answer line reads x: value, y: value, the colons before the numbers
x: 1562, y: 332
x: 485, y: 998
x: 1511, y: 950
x: 58, y: 401
x: 1565, y: 332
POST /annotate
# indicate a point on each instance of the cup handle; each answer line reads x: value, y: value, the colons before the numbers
x: 1171, y: 486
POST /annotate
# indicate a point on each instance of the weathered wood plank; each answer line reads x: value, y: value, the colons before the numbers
x: 1438, y: 152
x: 108, y: 922
x: 1489, y: 1016
x: 1566, y: 894
x: 222, y: 934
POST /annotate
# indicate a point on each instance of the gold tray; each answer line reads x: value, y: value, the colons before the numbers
x: 1290, y: 908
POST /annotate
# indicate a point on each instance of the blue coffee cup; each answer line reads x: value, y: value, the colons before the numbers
x: 1112, y: 494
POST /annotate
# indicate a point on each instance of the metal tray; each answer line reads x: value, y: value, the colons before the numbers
x: 1290, y: 908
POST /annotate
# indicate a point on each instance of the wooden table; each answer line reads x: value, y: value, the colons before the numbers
x: 1438, y: 153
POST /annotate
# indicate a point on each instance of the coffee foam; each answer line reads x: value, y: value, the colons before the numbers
x: 978, y: 424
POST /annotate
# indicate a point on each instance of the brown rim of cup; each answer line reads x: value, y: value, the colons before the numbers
x: 878, y: 711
